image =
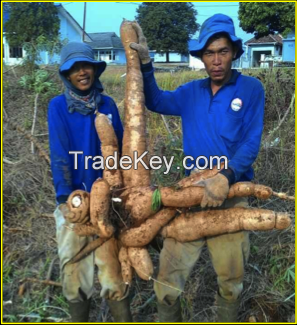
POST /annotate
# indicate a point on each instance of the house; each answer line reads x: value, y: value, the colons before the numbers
x: 260, y: 50
x: 69, y: 29
x: 11, y: 55
x: 174, y: 57
x: 289, y: 47
x: 107, y: 47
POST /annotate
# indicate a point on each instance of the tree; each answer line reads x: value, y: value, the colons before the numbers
x: 264, y: 18
x: 31, y: 22
x: 168, y: 26
x: 27, y: 21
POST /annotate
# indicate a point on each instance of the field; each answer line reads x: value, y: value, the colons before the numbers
x: 29, y: 244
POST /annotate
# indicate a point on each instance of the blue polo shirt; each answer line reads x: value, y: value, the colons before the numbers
x: 229, y: 123
x: 76, y: 132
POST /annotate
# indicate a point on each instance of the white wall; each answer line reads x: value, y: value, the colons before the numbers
x: 195, y: 63
x: 173, y: 57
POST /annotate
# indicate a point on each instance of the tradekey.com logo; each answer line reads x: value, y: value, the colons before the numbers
x: 154, y: 162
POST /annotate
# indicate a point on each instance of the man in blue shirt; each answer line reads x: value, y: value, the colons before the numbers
x: 221, y: 116
x: 71, y: 128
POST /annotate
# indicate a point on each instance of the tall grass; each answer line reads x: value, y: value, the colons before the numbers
x: 28, y: 193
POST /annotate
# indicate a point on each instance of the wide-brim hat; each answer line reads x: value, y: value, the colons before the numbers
x: 79, y: 52
x: 217, y: 23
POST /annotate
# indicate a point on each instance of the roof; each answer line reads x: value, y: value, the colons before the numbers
x: 277, y: 38
x: 105, y: 40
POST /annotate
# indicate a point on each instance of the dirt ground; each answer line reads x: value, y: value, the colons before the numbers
x: 29, y: 243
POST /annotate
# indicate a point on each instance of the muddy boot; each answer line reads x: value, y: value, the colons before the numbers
x: 170, y: 314
x: 227, y: 311
x: 79, y: 311
x: 120, y: 310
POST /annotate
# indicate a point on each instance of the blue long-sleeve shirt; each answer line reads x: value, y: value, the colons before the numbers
x: 229, y: 123
x: 76, y: 132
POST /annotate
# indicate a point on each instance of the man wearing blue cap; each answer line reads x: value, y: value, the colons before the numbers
x: 71, y: 128
x: 221, y: 116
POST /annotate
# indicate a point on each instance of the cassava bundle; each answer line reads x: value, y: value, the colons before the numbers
x: 153, y: 210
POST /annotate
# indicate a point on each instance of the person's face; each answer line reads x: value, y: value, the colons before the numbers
x: 217, y: 58
x: 82, y: 75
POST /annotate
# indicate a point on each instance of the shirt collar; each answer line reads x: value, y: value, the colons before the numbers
x: 235, y: 74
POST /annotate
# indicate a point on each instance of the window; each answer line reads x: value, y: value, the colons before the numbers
x: 107, y: 55
x: 16, y: 52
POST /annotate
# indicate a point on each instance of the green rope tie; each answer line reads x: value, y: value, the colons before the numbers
x: 156, y: 200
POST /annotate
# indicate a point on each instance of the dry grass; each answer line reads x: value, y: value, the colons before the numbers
x: 29, y: 243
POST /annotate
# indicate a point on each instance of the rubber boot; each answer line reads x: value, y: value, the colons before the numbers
x: 79, y: 311
x: 170, y: 313
x: 120, y: 310
x: 227, y: 311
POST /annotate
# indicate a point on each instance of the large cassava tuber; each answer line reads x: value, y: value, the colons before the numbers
x: 99, y: 209
x: 109, y: 146
x: 192, y: 196
x: 127, y: 270
x: 79, y: 203
x: 134, y: 140
x: 140, y: 259
x: 138, y: 201
x: 195, y: 225
x: 147, y: 231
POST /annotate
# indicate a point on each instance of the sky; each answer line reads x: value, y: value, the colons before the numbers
x: 108, y: 16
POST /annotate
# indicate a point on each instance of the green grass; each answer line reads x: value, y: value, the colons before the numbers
x: 7, y: 274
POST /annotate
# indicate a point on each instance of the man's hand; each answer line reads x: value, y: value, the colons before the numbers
x: 216, y: 190
x: 71, y: 216
x: 141, y: 47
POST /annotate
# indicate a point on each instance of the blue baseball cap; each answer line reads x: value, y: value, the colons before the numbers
x: 79, y: 52
x: 217, y: 23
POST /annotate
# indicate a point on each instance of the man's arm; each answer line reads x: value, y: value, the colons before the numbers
x: 156, y: 100
x: 161, y: 101
x: 59, y: 153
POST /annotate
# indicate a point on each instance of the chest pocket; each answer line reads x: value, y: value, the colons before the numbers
x: 231, y: 128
